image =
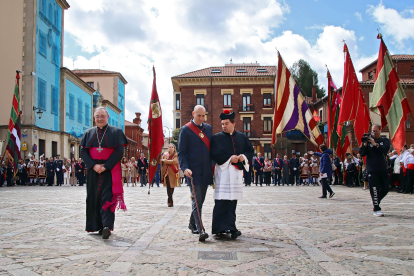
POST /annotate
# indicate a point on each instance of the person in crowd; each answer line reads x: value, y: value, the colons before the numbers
x: 133, y: 171
x: 157, y: 176
x: 67, y: 169
x: 305, y: 169
x: 80, y: 174
x: 32, y: 170
x: 409, y: 166
x: 278, y: 165
x: 195, y: 161
x: 267, y: 171
x: 59, y: 170
x: 50, y: 174
x: 169, y: 171
x: 403, y: 173
x: 41, y: 171
x: 397, y: 173
x: 258, y: 168
x: 285, y: 171
x: 325, y: 170
x: 23, y: 173
x: 231, y: 150
x: 9, y: 173
x: 294, y: 165
x: 338, y: 171
x: 143, y: 166
x: 73, y: 180
x: 102, y: 151
x: 125, y: 169
x: 247, y: 174
x: 394, y: 177
x: 351, y: 171
x: 314, y: 170
x: 181, y: 175
x: 375, y: 151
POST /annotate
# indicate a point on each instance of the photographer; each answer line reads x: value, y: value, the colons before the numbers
x: 375, y: 148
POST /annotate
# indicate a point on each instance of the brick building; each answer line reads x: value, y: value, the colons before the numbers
x: 135, y: 136
x: 404, y: 65
x: 246, y: 89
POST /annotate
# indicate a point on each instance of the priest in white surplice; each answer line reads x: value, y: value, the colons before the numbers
x: 231, y: 150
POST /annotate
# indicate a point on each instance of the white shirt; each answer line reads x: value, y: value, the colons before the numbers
x: 404, y: 155
x: 409, y: 159
x: 397, y: 165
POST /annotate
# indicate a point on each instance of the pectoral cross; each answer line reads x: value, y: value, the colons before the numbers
x: 100, y: 149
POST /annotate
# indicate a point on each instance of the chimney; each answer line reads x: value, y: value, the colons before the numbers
x: 314, y: 94
x: 137, y: 119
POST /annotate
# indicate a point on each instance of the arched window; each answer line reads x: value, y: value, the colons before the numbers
x: 50, y: 12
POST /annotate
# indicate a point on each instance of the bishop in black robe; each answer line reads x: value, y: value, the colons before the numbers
x: 99, y: 187
x: 223, y: 146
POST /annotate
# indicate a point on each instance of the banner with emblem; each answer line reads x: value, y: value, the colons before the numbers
x: 155, y: 136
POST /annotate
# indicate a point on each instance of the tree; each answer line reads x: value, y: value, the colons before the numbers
x: 304, y: 77
x: 174, y: 138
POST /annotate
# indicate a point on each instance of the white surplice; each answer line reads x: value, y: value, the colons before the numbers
x: 229, y: 181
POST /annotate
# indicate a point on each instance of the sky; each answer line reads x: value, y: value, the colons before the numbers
x: 180, y: 36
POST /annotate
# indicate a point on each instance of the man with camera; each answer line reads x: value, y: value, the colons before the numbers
x: 375, y: 148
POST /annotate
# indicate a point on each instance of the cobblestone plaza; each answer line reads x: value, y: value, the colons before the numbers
x: 286, y: 231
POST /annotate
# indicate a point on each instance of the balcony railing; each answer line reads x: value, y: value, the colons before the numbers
x: 247, y: 108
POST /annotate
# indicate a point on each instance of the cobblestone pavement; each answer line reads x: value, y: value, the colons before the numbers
x: 286, y: 231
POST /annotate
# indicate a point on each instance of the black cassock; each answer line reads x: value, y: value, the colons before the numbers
x: 223, y: 146
x: 99, y: 186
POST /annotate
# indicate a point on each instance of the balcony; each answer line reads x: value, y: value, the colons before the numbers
x: 248, y: 108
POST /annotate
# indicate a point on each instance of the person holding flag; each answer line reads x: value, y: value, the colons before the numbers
x: 195, y: 161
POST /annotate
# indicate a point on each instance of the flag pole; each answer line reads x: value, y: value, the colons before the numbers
x: 149, y: 155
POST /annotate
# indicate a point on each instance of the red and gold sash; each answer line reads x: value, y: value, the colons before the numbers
x: 199, y: 133
x: 173, y: 168
x: 258, y: 160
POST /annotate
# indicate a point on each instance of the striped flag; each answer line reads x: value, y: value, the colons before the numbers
x: 13, y: 134
x: 291, y: 110
x: 338, y: 140
x: 353, y: 106
x: 388, y: 98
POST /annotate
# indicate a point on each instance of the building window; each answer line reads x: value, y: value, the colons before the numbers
x: 177, y: 123
x: 247, y: 121
x: 200, y: 99
x: 50, y: 13
x: 246, y: 102
x: 267, y: 100
x: 267, y: 151
x: 71, y: 107
x: 42, y: 94
x: 227, y: 100
x: 80, y: 111
x: 91, y: 84
x: 87, y: 114
x: 412, y: 70
x: 177, y: 102
x: 55, y: 55
x: 44, y: 7
x: 42, y: 44
x: 54, y: 149
x: 267, y: 125
x: 55, y: 100
x: 56, y: 18
x: 371, y: 75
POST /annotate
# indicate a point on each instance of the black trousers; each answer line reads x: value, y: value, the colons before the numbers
x: 267, y: 176
x: 325, y: 187
x: 9, y: 181
x: 410, y: 181
x: 295, y: 177
x: 338, y: 177
x: 170, y: 191
x: 286, y: 177
x: 378, y: 187
x: 258, y: 175
x: 81, y: 179
x: 200, y: 194
x: 59, y: 177
x: 50, y: 180
x: 224, y: 216
x: 350, y: 178
x: 278, y: 176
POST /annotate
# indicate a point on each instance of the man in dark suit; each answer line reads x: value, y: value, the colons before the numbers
x: 80, y: 171
x: 338, y: 171
x: 142, y: 169
x: 258, y: 165
x: 294, y: 169
x: 195, y: 161
x: 278, y: 165
x: 50, y: 172
x: 59, y: 172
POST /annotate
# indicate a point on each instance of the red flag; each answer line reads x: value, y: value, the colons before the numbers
x: 155, y: 136
x: 389, y: 99
x: 353, y: 106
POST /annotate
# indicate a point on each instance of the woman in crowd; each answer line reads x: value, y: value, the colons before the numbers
x: 169, y: 172
x: 409, y: 166
x: 133, y: 171
x: 314, y: 171
x: 305, y: 170
x: 72, y: 172
x: 125, y: 169
x: 267, y: 171
x: 67, y: 169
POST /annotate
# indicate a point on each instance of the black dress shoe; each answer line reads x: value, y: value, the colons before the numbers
x: 193, y: 230
x: 203, y: 237
x: 234, y: 235
x: 322, y: 197
x: 106, y: 232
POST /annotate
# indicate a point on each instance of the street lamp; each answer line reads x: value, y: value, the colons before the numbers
x: 169, y: 132
x: 39, y: 112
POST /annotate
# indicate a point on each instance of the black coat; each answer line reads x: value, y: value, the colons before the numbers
x: 142, y: 164
x: 80, y: 169
x: 50, y: 168
x: 256, y: 164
